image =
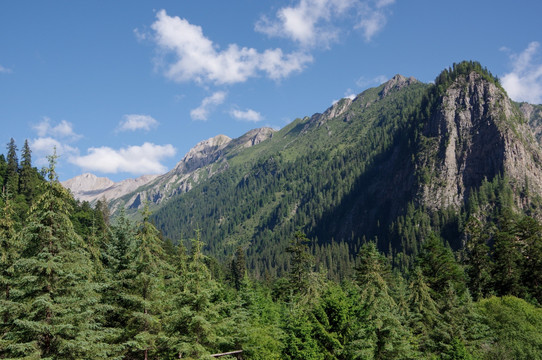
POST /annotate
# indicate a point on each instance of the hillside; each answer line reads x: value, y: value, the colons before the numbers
x: 396, y: 162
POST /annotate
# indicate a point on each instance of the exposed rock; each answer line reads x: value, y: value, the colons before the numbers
x: 533, y: 114
x: 396, y: 83
x: 89, y: 187
x: 475, y: 134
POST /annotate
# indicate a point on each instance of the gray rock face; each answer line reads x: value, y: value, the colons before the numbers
x: 396, y: 83
x: 89, y: 187
x: 476, y: 133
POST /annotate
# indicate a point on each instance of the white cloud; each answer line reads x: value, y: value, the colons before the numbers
x: 4, y: 70
x: 247, y: 115
x: 134, y: 122
x: 198, y: 59
x: 373, y: 16
x: 136, y: 160
x: 311, y: 22
x: 524, y: 83
x: 45, y: 146
x: 51, y: 136
x: 64, y: 129
x: 208, y: 104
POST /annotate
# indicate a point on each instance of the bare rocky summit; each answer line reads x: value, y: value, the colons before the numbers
x: 475, y: 134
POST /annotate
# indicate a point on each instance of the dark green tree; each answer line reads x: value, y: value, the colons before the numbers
x: 59, y: 315
x: 9, y: 253
x: 28, y: 176
x: 439, y: 267
x: 12, y: 170
x: 195, y: 324
x: 477, y: 258
x: 301, y: 263
x: 238, y: 267
x: 424, y: 312
x: 145, y: 294
x: 379, y: 332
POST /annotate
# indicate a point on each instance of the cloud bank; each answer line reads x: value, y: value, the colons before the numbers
x: 524, y: 82
x: 246, y: 115
x: 311, y: 23
x: 133, y: 122
x: 207, y: 105
x: 136, y: 160
x: 197, y: 58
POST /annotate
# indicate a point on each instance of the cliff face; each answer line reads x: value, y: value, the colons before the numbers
x: 475, y: 133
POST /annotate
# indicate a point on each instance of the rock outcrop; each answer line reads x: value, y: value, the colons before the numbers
x: 475, y: 133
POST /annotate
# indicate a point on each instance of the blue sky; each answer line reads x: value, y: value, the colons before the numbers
x: 125, y: 88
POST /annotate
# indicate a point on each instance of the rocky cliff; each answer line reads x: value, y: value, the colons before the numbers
x: 476, y: 132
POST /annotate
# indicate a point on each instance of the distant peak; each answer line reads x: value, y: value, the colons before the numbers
x: 396, y: 83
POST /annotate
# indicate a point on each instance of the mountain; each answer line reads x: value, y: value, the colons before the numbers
x: 204, y: 160
x: 395, y: 163
x: 89, y: 187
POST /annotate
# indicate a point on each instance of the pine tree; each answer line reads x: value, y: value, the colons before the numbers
x: 195, y: 326
x: 379, y: 333
x: 9, y: 253
x: 27, y: 174
x: 12, y: 170
x: 145, y: 293
x: 60, y: 315
x: 301, y: 263
x: 478, y: 261
x: 238, y: 268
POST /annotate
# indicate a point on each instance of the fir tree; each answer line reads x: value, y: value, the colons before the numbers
x: 145, y: 295
x: 27, y: 175
x: 55, y: 287
x: 423, y: 311
x: 9, y: 253
x: 380, y: 333
x: 12, y: 170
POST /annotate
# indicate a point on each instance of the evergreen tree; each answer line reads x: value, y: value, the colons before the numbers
x: 301, y: 263
x: 477, y: 259
x: 195, y: 326
x: 60, y: 316
x: 507, y: 256
x: 9, y: 253
x: 27, y: 175
x: 238, y: 267
x: 12, y: 170
x: 423, y: 311
x: 146, y: 274
x: 379, y: 332
x: 439, y: 267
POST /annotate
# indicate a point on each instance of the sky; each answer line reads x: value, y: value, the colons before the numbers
x: 125, y: 88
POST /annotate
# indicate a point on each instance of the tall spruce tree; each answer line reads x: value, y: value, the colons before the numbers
x: 9, y: 253
x: 27, y: 174
x: 12, y: 170
x: 196, y: 326
x: 145, y: 293
x: 423, y: 311
x: 378, y: 332
x: 60, y: 316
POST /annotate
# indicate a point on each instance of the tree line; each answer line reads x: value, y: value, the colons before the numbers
x: 78, y: 285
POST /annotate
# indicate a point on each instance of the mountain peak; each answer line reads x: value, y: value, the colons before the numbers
x: 87, y: 182
x: 396, y: 83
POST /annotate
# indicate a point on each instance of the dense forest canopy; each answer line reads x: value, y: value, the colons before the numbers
x: 76, y: 284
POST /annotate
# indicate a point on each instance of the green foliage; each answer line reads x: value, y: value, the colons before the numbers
x: 515, y: 325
